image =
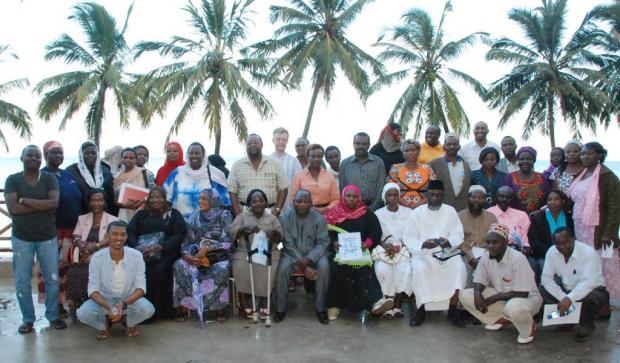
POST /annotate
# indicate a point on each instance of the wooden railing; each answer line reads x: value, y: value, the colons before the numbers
x: 7, y: 227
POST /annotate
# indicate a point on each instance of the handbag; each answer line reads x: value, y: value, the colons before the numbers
x: 213, y: 257
x: 150, y: 239
x: 379, y: 254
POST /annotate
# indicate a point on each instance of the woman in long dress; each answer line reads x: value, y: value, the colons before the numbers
x: 411, y: 176
x: 198, y: 286
x: 250, y: 222
x: 596, y: 211
x: 354, y: 286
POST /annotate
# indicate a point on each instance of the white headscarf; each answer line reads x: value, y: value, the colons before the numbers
x: 387, y: 187
x: 97, y: 181
x: 216, y: 174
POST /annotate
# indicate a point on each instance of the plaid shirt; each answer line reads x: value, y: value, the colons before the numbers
x: 269, y: 177
x: 369, y: 176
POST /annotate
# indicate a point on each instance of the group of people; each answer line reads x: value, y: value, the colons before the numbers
x: 465, y: 230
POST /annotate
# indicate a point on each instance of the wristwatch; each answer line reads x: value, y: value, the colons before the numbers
x: 124, y: 305
x: 277, y: 210
x: 20, y: 201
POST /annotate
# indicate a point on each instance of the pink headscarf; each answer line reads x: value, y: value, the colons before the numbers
x: 590, y: 214
x: 51, y: 145
x: 341, y: 212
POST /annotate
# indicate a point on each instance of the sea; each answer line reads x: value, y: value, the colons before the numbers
x: 11, y: 165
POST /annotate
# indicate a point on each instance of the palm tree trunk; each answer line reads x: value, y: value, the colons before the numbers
x: 218, y: 141
x: 98, y: 117
x: 550, y: 117
x: 311, y: 109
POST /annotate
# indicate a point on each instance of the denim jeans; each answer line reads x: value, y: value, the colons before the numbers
x: 23, y: 260
x: 93, y: 314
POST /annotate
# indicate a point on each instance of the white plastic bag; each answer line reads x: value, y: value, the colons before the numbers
x: 260, y: 243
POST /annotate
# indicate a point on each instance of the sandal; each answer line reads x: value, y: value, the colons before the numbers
x: 263, y: 314
x: 388, y: 315
x: 103, y: 335
x: 398, y: 313
x: 132, y: 332
x: 248, y: 313
x: 220, y: 317
x: 182, y: 314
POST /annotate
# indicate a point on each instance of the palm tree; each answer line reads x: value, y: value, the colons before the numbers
x: 547, y: 75
x: 216, y: 74
x: 10, y: 114
x: 419, y: 45
x: 313, y: 35
x: 105, y: 56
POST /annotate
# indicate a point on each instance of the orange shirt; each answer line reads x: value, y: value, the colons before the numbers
x: 428, y: 153
x: 324, y: 189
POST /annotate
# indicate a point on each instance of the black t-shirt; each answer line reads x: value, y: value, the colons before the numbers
x: 35, y: 226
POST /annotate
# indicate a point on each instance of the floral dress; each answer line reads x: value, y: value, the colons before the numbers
x: 529, y: 194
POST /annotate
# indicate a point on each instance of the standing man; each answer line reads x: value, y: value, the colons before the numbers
x: 431, y: 148
x: 332, y: 156
x: 116, y: 286
x: 364, y: 170
x: 306, y: 243
x: 300, y: 148
x: 388, y: 146
x: 471, y: 151
x: 573, y: 273
x: 257, y: 171
x: 504, y: 288
x: 32, y: 198
x: 508, y: 163
x: 290, y: 164
x: 454, y: 172
x: 432, y: 228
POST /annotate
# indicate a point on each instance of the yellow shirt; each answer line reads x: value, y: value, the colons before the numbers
x: 428, y: 153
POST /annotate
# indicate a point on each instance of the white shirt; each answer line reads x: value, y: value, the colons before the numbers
x: 394, y: 223
x: 470, y: 152
x: 425, y: 223
x: 290, y: 165
x: 118, y: 280
x: 580, y: 275
x: 457, y: 175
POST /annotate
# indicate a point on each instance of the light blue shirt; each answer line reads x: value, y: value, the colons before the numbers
x: 101, y: 273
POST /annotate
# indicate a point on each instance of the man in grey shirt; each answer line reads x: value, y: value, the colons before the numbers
x: 365, y: 170
x: 306, y: 241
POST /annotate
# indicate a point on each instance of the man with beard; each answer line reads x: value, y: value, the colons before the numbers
x: 517, y: 221
x: 431, y: 148
x: 504, y: 288
x: 306, y: 243
x: 364, y: 170
x: 257, y: 171
x: 471, y: 151
x: 433, y: 229
x: 388, y: 146
x: 476, y: 222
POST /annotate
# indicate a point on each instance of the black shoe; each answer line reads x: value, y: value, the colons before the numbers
x: 59, y: 324
x: 455, y: 318
x: 25, y: 328
x: 279, y: 316
x: 322, y: 316
x: 584, y: 333
x: 418, y: 319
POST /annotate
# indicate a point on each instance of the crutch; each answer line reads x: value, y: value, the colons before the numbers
x: 250, y: 253
x: 268, y: 254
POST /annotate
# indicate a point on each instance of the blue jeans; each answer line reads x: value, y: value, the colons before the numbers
x: 23, y: 259
x: 93, y: 314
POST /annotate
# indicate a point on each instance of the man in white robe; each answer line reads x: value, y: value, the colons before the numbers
x: 435, y: 228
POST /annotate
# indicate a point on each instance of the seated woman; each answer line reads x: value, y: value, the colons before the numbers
x: 544, y: 224
x: 393, y: 265
x: 158, y: 231
x: 246, y: 225
x: 89, y: 236
x: 133, y: 175
x: 411, y: 176
x: 90, y: 173
x: 488, y: 175
x: 186, y: 182
x: 174, y: 159
x: 201, y: 284
x: 529, y: 186
x: 354, y: 286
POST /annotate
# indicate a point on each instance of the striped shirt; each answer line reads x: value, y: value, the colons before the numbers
x: 369, y: 176
x: 269, y: 177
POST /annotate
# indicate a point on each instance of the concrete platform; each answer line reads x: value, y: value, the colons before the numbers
x: 299, y: 338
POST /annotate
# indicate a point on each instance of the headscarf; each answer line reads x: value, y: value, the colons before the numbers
x: 205, y: 224
x: 527, y: 149
x: 500, y: 229
x: 51, y: 145
x: 97, y: 181
x: 340, y: 212
x: 203, y: 173
x: 169, y: 166
x: 390, y: 137
x: 387, y: 187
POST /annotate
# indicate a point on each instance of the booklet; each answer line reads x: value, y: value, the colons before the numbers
x: 350, y: 246
x: 130, y: 191
x: 551, y: 315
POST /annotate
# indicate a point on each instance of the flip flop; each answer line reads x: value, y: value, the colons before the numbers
x: 103, y: 335
x: 132, y: 332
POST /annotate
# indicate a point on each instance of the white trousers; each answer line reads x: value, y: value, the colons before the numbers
x: 394, y: 278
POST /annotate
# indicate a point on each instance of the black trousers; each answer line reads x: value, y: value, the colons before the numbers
x: 590, y: 305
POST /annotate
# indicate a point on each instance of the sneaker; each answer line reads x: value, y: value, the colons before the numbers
x: 382, y: 306
x: 332, y: 313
